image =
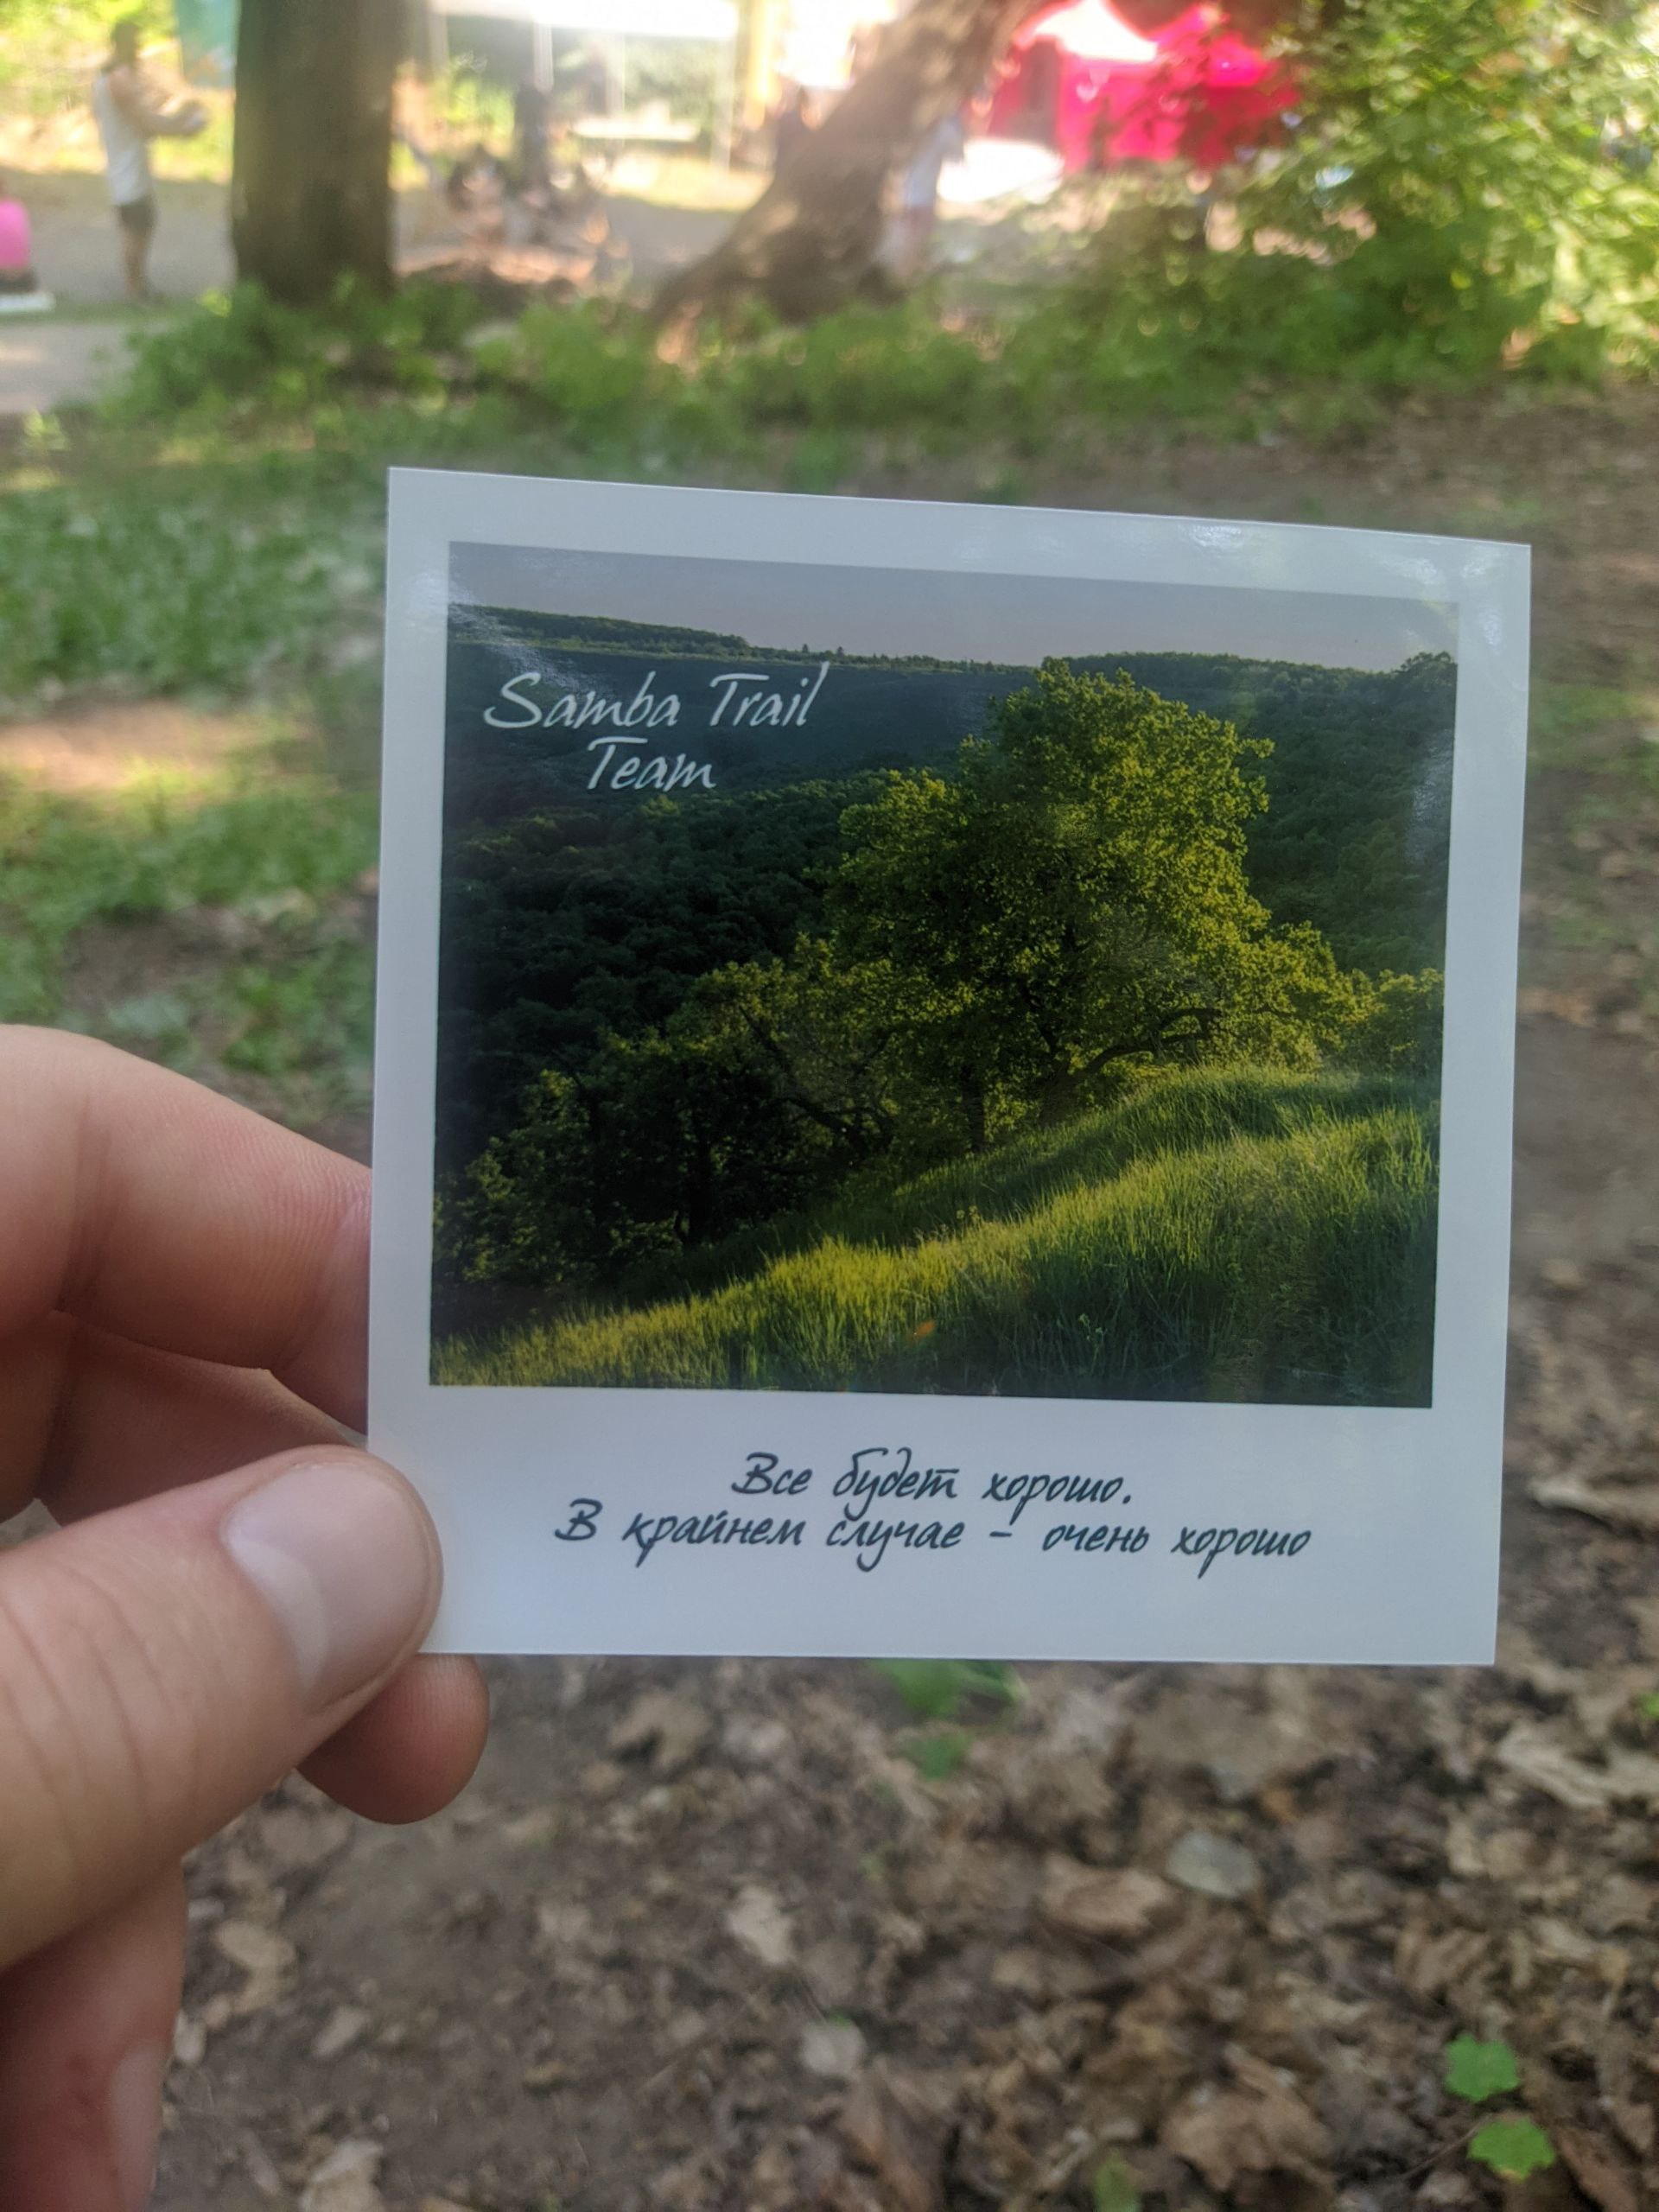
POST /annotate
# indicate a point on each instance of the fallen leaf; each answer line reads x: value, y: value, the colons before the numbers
x: 345, y: 2026
x: 1536, y: 1754
x: 895, y: 2130
x: 1113, y: 1904
x: 1430, y: 1961
x: 1600, y: 2173
x: 1212, y: 1866
x: 344, y: 2180
x: 1260, y: 2126
x: 672, y: 1727
x: 1617, y: 1505
x: 761, y: 1926
x: 1243, y: 1749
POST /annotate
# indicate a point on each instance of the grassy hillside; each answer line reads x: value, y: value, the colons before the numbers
x: 1221, y: 1237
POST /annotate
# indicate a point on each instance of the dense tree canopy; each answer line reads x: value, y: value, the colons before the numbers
x: 1073, y: 897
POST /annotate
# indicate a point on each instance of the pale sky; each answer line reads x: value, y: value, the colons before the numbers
x: 1019, y: 619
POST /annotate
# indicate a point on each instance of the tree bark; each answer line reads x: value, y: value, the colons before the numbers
x: 311, y: 183
x: 810, y: 243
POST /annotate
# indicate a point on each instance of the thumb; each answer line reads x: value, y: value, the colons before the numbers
x: 163, y: 1665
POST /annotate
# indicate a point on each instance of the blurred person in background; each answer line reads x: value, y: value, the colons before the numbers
x: 531, y: 112
x: 127, y: 121
x: 792, y: 127
x: 18, y: 282
x: 919, y: 192
x: 862, y: 46
x: 477, y: 191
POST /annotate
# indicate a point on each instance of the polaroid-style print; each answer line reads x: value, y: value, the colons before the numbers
x: 944, y: 1074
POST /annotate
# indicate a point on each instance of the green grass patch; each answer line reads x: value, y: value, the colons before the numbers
x: 1596, y: 727
x: 1159, y: 1249
x: 230, y: 889
x: 225, y: 578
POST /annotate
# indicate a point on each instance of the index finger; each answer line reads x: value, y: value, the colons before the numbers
x: 141, y: 1204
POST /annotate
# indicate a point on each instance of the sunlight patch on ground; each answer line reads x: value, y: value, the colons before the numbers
x: 104, y: 748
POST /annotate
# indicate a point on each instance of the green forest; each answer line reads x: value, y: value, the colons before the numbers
x: 1061, y: 1032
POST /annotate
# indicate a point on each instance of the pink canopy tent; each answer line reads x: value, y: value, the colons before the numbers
x: 1080, y: 77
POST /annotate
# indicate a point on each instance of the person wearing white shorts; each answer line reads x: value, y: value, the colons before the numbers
x: 126, y: 124
x: 919, y: 192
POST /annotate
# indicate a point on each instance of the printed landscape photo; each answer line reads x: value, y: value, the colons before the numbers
x: 921, y: 981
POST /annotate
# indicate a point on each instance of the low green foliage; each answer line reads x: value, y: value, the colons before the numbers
x: 1510, y: 2145
x: 938, y: 1689
x: 1114, y: 2188
x: 1513, y: 2148
x: 1478, y: 2070
x: 47, y: 46
x: 936, y: 1758
x: 187, y: 578
x: 258, y: 853
x: 1475, y: 177
x: 239, y: 344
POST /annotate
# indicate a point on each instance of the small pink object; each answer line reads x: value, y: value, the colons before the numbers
x: 15, y: 251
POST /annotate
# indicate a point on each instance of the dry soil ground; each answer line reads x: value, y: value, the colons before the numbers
x: 701, y: 1939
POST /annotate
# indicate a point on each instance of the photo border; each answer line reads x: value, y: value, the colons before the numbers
x: 1402, y: 1568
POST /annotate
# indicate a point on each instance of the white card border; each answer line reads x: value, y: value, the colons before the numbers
x: 1405, y: 1503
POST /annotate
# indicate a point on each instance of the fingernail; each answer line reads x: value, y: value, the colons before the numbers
x: 135, y: 2109
x: 342, y: 1556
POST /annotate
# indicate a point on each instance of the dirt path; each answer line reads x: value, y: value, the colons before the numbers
x: 75, y: 246
x: 701, y: 1938
x: 46, y: 363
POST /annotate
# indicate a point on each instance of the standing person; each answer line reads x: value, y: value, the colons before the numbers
x: 126, y: 124
x: 19, y: 284
x: 477, y: 191
x: 918, y: 194
x: 531, y: 111
x: 792, y: 127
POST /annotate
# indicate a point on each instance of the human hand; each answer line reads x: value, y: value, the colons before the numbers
x: 233, y: 1593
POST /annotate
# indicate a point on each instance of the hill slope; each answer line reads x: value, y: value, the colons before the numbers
x: 1248, y: 1237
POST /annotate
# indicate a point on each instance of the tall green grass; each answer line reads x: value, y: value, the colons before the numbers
x: 1239, y: 1237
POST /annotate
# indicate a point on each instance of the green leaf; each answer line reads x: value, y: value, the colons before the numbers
x: 937, y: 1758
x: 935, y: 1688
x: 1478, y: 2070
x: 1116, y: 2188
x: 1513, y: 2148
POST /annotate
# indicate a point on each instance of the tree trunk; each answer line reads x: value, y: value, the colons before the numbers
x: 310, y: 185
x: 810, y: 241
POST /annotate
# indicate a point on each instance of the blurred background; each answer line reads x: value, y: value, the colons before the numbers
x: 782, y: 1936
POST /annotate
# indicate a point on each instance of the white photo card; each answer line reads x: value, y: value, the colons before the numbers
x: 944, y: 1075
